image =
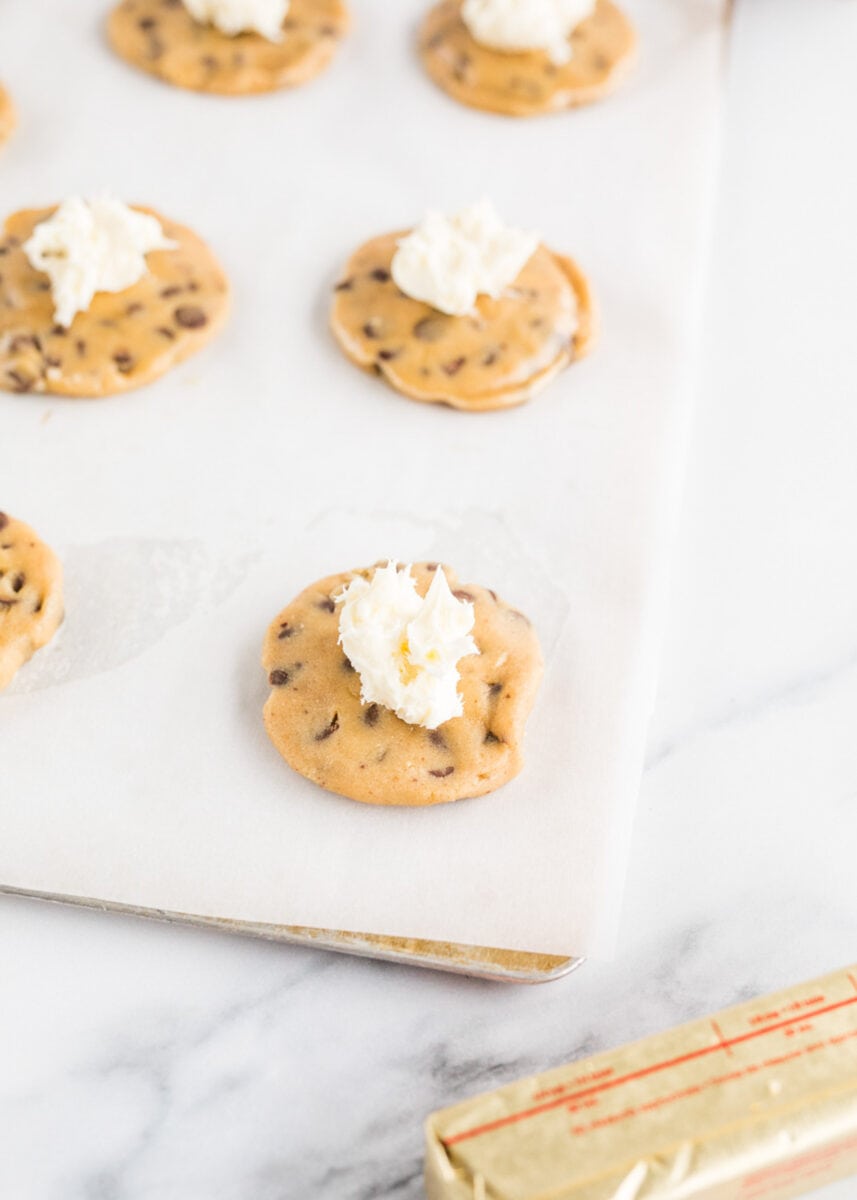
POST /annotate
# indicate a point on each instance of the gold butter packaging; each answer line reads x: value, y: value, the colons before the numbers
x: 756, y: 1103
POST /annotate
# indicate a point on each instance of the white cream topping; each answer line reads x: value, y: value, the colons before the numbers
x: 405, y: 647
x: 241, y: 16
x: 89, y: 246
x: 449, y: 261
x: 514, y: 25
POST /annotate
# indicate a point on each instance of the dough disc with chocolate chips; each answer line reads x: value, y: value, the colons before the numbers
x: 316, y: 720
x: 124, y: 339
x: 162, y: 38
x: 527, y: 83
x: 8, y: 116
x: 30, y: 595
x: 501, y: 355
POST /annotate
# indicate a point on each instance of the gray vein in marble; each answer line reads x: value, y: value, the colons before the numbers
x: 797, y: 690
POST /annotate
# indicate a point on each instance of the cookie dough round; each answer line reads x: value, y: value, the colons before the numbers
x: 527, y: 83
x: 316, y: 720
x: 31, y: 607
x: 502, y: 355
x: 161, y: 37
x: 124, y: 339
x: 8, y: 116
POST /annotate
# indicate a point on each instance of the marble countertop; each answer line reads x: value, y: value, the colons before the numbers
x: 139, y: 1061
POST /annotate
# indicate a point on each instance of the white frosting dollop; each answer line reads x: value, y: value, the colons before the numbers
x: 89, y: 246
x: 405, y: 647
x: 515, y: 25
x: 241, y: 16
x: 449, y: 261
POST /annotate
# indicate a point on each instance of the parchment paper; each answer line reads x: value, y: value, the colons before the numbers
x: 133, y: 762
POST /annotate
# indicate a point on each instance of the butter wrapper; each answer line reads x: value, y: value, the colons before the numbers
x: 756, y: 1103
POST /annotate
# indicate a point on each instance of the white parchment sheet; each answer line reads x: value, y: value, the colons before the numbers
x: 133, y: 763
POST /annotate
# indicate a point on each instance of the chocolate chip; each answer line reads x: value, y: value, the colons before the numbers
x: 330, y: 729
x: 430, y: 329
x: 436, y: 738
x: 344, y: 285
x: 278, y: 678
x: 147, y: 23
x: 490, y: 738
x: 454, y: 365
x: 372, y: 328
x: 4, y: 520
x: 460, y: 70
x: 327, y: 605
x: 388, y: 355
x: 18, y: 582
x: 22, y: 383
x: 7, y: 603
x: 80, y: 347
x: 51, y: 360
x: 58, y: 331
x: 461, y: 594
x: 380, y: 275
x: 124, y: 361
x: 432, y: 566
x: 173, y: 290
x: 21, y: 340
x: 442, y: 773
x: 494, y: 689
x: 190, y: 317
x: 286, y: 631
x: 165, y: 332
x: 133, y: 308
x: 348, y: 666
x: 489, y: 358
x: 372, y: 714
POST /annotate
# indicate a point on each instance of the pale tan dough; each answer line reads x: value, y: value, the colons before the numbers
x: 8, y: 116
x: 316, y: 720
x: 527, y: 83
x: 161, y: 37
x: 502, y: 355
x: 124, y: 339
x: 31, y: 606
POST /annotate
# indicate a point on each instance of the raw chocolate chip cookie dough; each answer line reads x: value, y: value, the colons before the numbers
x: 527, y: 82
x: 30, y: 595
x: 117, y: 339
x: 163, y: 38
x: 445, y: 729
x: 495, y: 347
x: 7, y: 115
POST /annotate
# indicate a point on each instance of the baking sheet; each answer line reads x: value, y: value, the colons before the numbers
x: 135, y: 766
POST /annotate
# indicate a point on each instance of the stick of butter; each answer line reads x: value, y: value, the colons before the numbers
x: 757, y: 1103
